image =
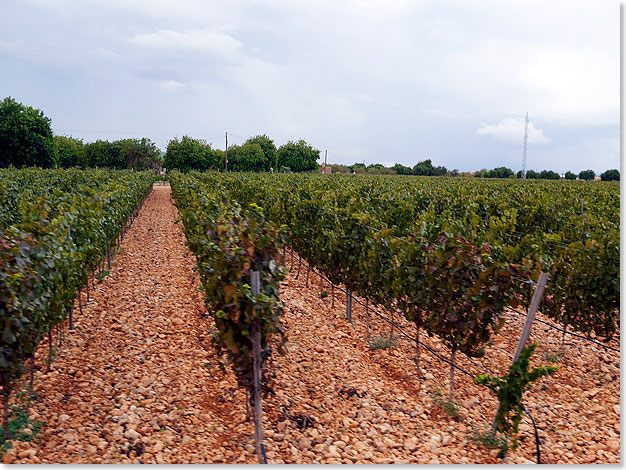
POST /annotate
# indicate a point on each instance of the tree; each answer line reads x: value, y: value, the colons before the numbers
x: 256, y: 154
x: 570, y: 176
x: 25, y: 136
x: 587, y: 175
x: 357, y: 168
x: 248, y: 157
x: 219, y: 157
x: 140, y: 154
x: 549, y: 175
x: 424, y: 168
x: 298, y: 156
x: 103, y: 154
x: 401, y: 169
x: 439, y: 171
x: 68, y: 152
x: 339, y: 168
x: 268, y: 148
x: 190, y: 154
x: 610, y: 175
x: 500, y: 172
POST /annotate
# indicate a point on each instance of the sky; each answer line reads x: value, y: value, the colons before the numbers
x: 369, y: 81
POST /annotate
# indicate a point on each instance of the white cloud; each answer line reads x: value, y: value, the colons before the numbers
x: 107, y: 53
x: 512, y: 130
x: 199, y: 40
x: 172, y: 85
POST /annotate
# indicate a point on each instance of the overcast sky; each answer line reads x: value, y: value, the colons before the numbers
x: 376, y: 81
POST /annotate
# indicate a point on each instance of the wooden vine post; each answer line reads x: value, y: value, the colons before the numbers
x: 349, y: 305
x: 532, y: 311
x: 257, y: 412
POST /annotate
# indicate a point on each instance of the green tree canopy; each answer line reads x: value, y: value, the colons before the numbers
x: 587, y: 175
x: 104, y: 154
x: 268, y: 148
x: 190, y: 154
x: 248, y: 157
x: 423, y: 168
x: 426, y: 168
x: 500, y: 172
x: 570, y: 176
x: 140, y: 154
x: 401, y: 169
x: 68, y: 151
x: 610, y: 175
x: 297, y: 156
x: 25, y: 136
x: 549, y: 175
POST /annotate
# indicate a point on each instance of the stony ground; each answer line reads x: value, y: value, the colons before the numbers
x: 137, y: 380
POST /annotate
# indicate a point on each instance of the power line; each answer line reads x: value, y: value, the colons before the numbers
x: 212, y: 134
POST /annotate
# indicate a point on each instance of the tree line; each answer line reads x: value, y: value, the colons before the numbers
x: 426, y: 168
x: 257, y: 154
x: 26, y: 139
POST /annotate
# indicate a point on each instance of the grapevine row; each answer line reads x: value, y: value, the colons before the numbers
x: 57, y: 227
x: 231, y: 242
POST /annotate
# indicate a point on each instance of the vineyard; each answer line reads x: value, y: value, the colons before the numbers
x: 55, y: 227
x: 338, y: 306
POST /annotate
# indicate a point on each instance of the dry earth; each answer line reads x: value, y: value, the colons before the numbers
x: 137, y: 380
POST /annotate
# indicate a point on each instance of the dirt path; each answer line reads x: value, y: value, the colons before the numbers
x: 137, y: 381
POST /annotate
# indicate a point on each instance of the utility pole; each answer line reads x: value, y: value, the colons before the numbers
x: 226, y: 152
x: 525, y: 145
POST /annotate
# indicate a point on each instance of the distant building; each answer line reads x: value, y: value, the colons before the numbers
x: 325, y: 169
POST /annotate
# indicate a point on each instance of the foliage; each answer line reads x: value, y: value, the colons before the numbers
x: 490, y: 439
x: 587, y: 175
x: 56, y: 232
x: 382, y: 342
x: 401, y: 169
x: 610, y: 175
x: 448, y: 406
x: 21, y: 426
x: 298, y: 156
x: 585, y: 286
x: 25, y: 136
x: 229, y: 242
x: 510, y: 389
x: 269, y: 151
x: 464, y: 292
x: 500, y: 172
x: 103, y: 154
x: 248, y: 157
x: 426, y: 168
x: 381, y: 235
x: 190, y: 154
x: 69, y: 152
x: 570, y: 176
x: 549, y: 175
x: 140, y: 154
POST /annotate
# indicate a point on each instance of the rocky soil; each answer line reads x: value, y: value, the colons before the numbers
x: 137, y: 380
